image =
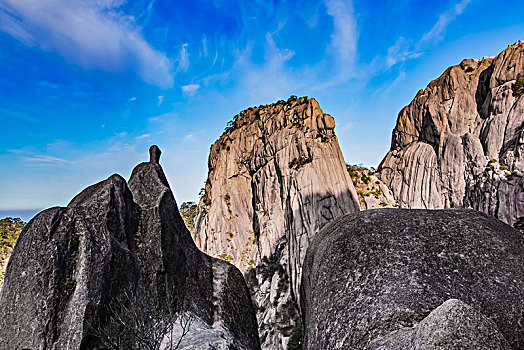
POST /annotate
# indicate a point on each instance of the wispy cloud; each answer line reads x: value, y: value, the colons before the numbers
x: 345, y: 35
x: 143, y: 136
x: 132, y: 99
x: 436, y: 32
x: 93, y: 35
x: 400, y: 52
x: 43, y: 159
x: 183, y: 59
x: 190, y: 89
x: 160, y: 100
x: 189, y: 137
x: 405, y: 49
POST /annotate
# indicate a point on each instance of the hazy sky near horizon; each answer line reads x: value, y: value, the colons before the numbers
x: 87, y: 86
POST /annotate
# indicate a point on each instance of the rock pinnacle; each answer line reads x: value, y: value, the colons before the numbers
x: 154, y: 154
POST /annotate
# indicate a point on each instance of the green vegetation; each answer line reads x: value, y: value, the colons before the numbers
x: 10, y: 229
x: 518, y: 87
x: 299, y: 162
x: 226, y: 257
x: 365, y: 178
x: 206, y: 200
x: 188, y: 211
x: 492, y: 160
x: 376, y: 193
x: 265, y: 212
x: 504, y: 167
x: 323, y: 137
x: 230, y: 234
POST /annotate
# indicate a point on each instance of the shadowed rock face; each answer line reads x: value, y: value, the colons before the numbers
x: 368, y: 278
x: 459, y: 143
x: 452, y: 325
x: 276, y: 177
x: 71, y: 264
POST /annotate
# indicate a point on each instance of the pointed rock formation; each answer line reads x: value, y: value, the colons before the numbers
x: 117, y: 249
x: 460, y: 142
x: 276, y: 177
x: 378, y: 280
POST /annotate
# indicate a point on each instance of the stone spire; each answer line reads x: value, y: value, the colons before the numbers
x: 154, y: 154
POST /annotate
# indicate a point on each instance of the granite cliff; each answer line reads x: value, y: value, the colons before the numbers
x: 401, y: 279
x: 460, y: 142
x: 276, y: 177
x: 118, y: 252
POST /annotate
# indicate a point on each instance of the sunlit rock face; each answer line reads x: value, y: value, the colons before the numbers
x: 121, y: 251
x: 393, y: 279
x: 460, y: 142
x: 276, y: 177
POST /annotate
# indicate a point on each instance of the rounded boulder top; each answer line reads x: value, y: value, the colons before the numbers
x: 154, y: 154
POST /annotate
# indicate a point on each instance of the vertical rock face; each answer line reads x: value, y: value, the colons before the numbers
x: 459, y: 143
x: 73, y: 265
x: 383, y: 279
x: 276, y: 177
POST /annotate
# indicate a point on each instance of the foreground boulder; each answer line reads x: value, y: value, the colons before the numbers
x: 121, y: 253
x: 452, y: 325
x: 370, y: 277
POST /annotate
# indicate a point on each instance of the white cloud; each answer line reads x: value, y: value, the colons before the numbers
x: 143, y: 136
x: 435, y: 33
x: 204, y: 46
x: 400, y: 52
x: 122, y: 134
x: 345, y: 35
x: 132, y: 99
x: 189, y: 137
x: 160, y: 100
x: 43, y: 159
x: 93, y: 35
x: 183, y: 59
x: 190, y: 89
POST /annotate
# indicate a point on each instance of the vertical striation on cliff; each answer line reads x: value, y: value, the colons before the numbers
x: 460, y: 142
x: 276, y: 177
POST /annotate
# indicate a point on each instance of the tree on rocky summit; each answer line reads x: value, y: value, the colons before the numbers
x: 188, y: 211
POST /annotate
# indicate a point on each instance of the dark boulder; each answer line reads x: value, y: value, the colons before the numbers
x: 67, y: 266
x: 373, y: 273
x: 120, y: 252
x: 453, y: 326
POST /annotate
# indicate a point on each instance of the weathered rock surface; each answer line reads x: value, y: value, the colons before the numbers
x: 276, y: 177
x: 452, y: 325
x: 447, y: 139
x: 368, y: 276
x: 72, y: 264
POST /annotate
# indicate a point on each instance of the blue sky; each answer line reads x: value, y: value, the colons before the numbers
x: 87, y: 86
